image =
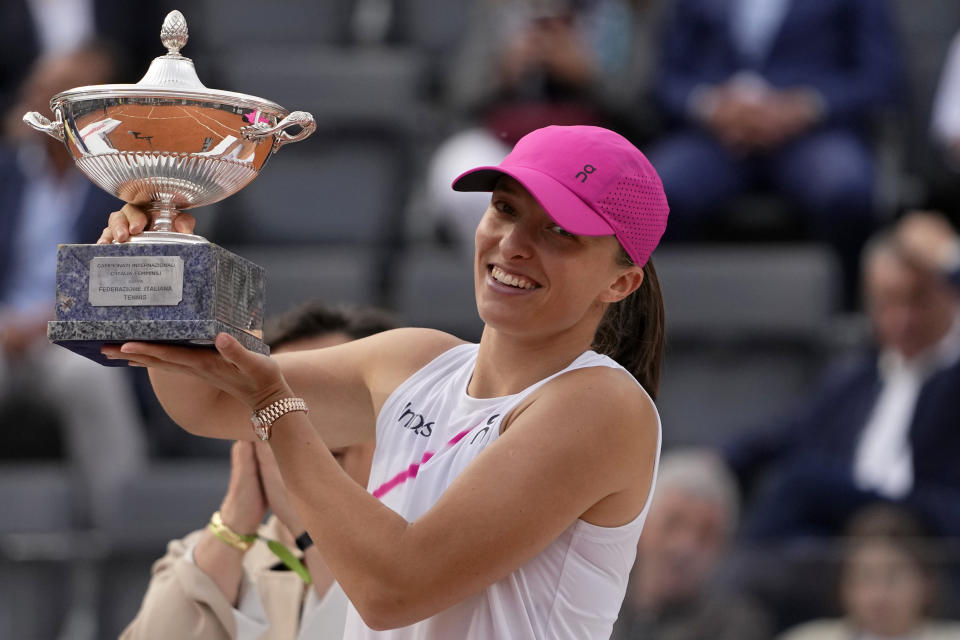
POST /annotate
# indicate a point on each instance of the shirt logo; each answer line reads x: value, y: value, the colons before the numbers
x: 482, y: 434
x: 415, y: 422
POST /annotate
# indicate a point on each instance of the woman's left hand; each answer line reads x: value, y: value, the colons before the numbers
x: 254, y: 379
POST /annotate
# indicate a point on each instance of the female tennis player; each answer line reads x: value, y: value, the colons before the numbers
x: 511, y: 478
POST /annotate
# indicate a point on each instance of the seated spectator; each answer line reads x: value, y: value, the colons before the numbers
x: 526, y: 65
x: 47, y: 201
x: 884, y: 428
x: 942, y: 177
x: 226, y: 582
x: 946, y: 108
x: 687, y: 533
x: 887, y: 584
x: 35, y: 29
x: 774, y: 95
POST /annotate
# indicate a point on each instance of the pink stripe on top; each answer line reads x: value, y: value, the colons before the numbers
x: 414, y: 468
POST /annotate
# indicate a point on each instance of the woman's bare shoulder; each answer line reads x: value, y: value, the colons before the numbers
x: 416, y: 345
x: 604, y: 396
x: 605, y: 385
x: 390, y: 355
x: 599, y: 421
x: 399, y: 353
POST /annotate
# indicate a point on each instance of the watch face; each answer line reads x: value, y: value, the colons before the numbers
x: 260, y: 428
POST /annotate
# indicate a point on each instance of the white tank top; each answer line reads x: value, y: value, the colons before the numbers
x: 428, y: 431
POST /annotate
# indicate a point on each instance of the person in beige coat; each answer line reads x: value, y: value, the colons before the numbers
x: 887, y: 586
x: 223, y: 582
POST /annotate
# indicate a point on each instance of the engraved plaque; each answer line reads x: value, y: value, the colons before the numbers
x: 133, y: 281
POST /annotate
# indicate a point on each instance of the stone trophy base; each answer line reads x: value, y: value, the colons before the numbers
x: 174, y: 293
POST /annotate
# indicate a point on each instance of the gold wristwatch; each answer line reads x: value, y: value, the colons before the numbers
x: 263, y: 419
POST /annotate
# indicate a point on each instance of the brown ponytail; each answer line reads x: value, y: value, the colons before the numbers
x: 632, y: 330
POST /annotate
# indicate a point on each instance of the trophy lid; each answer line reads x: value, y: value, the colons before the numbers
x: 169, y: 76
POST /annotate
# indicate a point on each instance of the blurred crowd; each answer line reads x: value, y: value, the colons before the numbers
x: 780, y: 123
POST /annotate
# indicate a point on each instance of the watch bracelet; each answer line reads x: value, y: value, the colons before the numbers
x: 273, y: 411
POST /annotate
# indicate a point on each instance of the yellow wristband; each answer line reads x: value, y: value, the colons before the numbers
x: 229, y: 536
x: 243, y: 543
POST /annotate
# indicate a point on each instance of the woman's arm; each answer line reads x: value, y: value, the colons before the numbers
x: 343, y: 385
x: 183, y: 588
x: 182, y: 601
x: 584, y: 448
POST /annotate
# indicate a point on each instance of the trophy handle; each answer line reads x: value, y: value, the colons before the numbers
x: 261, y: 130
x: 41, y: 123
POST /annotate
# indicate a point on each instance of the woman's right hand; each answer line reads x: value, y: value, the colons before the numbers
x: 132, y: 220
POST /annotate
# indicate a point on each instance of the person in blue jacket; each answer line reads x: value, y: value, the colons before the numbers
x: 777, y: 95
x: 884, y: 428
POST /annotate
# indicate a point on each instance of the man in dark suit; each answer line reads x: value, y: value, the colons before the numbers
x: 31, y: 29
x: 47, y: 201
x: 774, y: 94
x: 36, y: 171
x: 886, y: 428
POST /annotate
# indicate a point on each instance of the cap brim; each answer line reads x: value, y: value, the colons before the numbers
x: 564, y: 206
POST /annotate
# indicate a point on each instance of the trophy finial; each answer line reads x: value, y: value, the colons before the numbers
x: 173, y: 34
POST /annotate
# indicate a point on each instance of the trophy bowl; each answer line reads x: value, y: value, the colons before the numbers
x: 165, y: 144
x: 168, y: 143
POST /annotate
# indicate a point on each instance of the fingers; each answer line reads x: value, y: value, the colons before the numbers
x: 184, y: 223
x: 136, y: 218
x: 106, y: 237
x: 203, y: 363
x: 266, y: 459
x: 267, y: 467
x: 236, y: 354
x: 130, y: 220
x: 244, y: 470
x: 243, y: 507
x: 229, y: 347
x: 172, y: 354
x: 118, y: 227
x: 250, y: 377
x: 244, y: 457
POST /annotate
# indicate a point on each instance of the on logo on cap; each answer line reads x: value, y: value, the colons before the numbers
x: 587, y: 170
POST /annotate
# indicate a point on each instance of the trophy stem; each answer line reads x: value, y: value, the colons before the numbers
x: 162, y: 214
x: 161, y: 229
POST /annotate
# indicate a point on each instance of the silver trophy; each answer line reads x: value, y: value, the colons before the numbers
x: 165, y: 144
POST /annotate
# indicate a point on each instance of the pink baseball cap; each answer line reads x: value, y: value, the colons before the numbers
x: 590, y: 180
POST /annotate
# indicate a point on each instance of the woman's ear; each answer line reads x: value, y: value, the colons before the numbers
x: 628, y: 281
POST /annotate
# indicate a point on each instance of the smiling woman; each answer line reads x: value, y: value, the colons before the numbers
x: 511, y: 478
x: 618, y: 203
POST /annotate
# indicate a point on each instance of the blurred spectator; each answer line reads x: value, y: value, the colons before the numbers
x: 688, y: 530
x: 945, y: 132
x: 884, y: 428
x: 775, y: 94
x: 946, y: 108
x: 528, y: 64
x: 210, y: 585
x: 33, y: 29
x: 888, y: 584
x: 48, y: 201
